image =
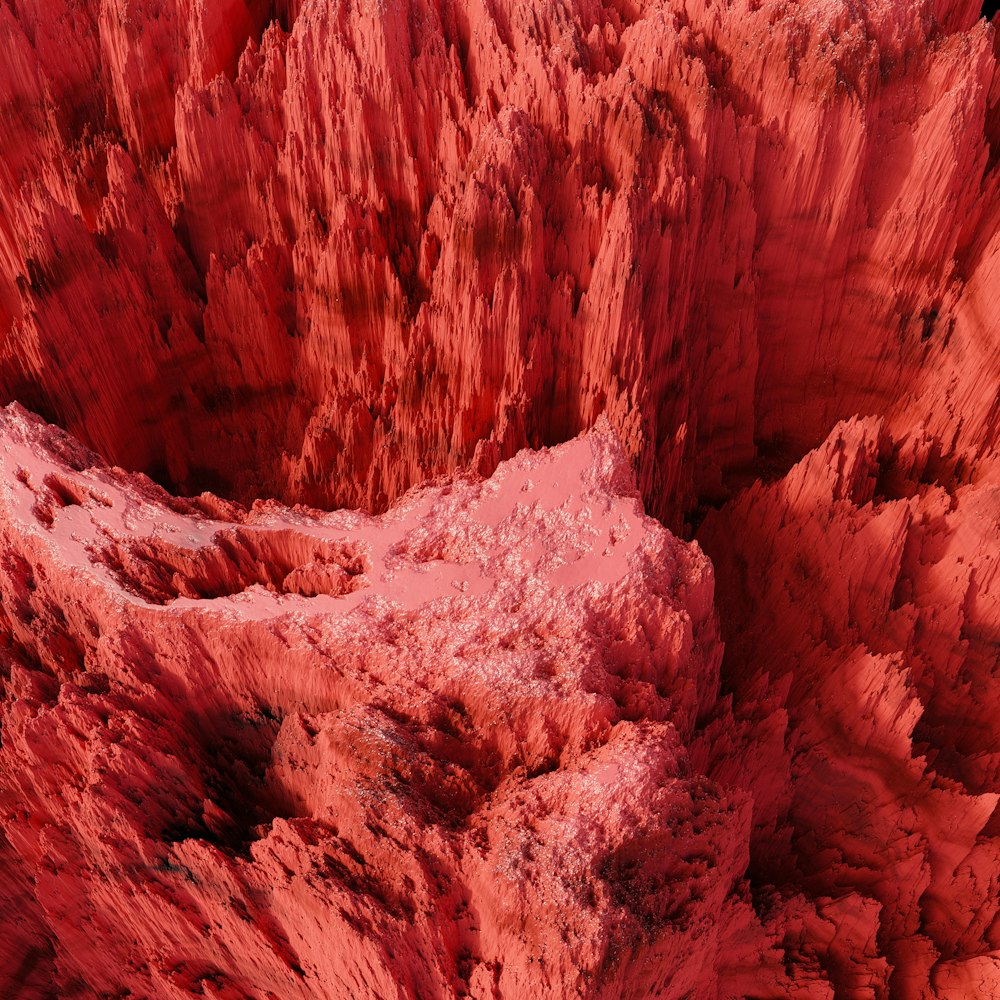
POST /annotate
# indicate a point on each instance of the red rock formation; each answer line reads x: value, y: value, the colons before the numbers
x: 285, y: 754
x: 862, y: 629
x: 325, y: 258
x: 488, y: 743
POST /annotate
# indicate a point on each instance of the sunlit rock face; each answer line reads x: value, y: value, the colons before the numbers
x: 499, y: 499
x: 444, y: 751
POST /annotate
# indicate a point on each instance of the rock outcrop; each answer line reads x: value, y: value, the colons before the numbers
x: 440, y: 752
x: 501, y: 279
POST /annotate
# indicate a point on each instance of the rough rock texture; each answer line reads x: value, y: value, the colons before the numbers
x: 442, y: 752
x: 863, y: 628
x: 322, y: 250
x: 476, y: 746
x: 502, y: 737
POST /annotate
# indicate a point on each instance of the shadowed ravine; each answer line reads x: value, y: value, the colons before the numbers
x: 499, y: 499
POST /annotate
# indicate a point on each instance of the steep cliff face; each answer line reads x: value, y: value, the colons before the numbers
x: 499, y: 734
x: 862, y: 623
x: 323, y: 250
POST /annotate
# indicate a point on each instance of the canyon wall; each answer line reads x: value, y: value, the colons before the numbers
x: 651, y: 351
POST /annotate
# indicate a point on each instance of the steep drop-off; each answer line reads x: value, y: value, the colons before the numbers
x: 320, y: 251
x: 499, y: 734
